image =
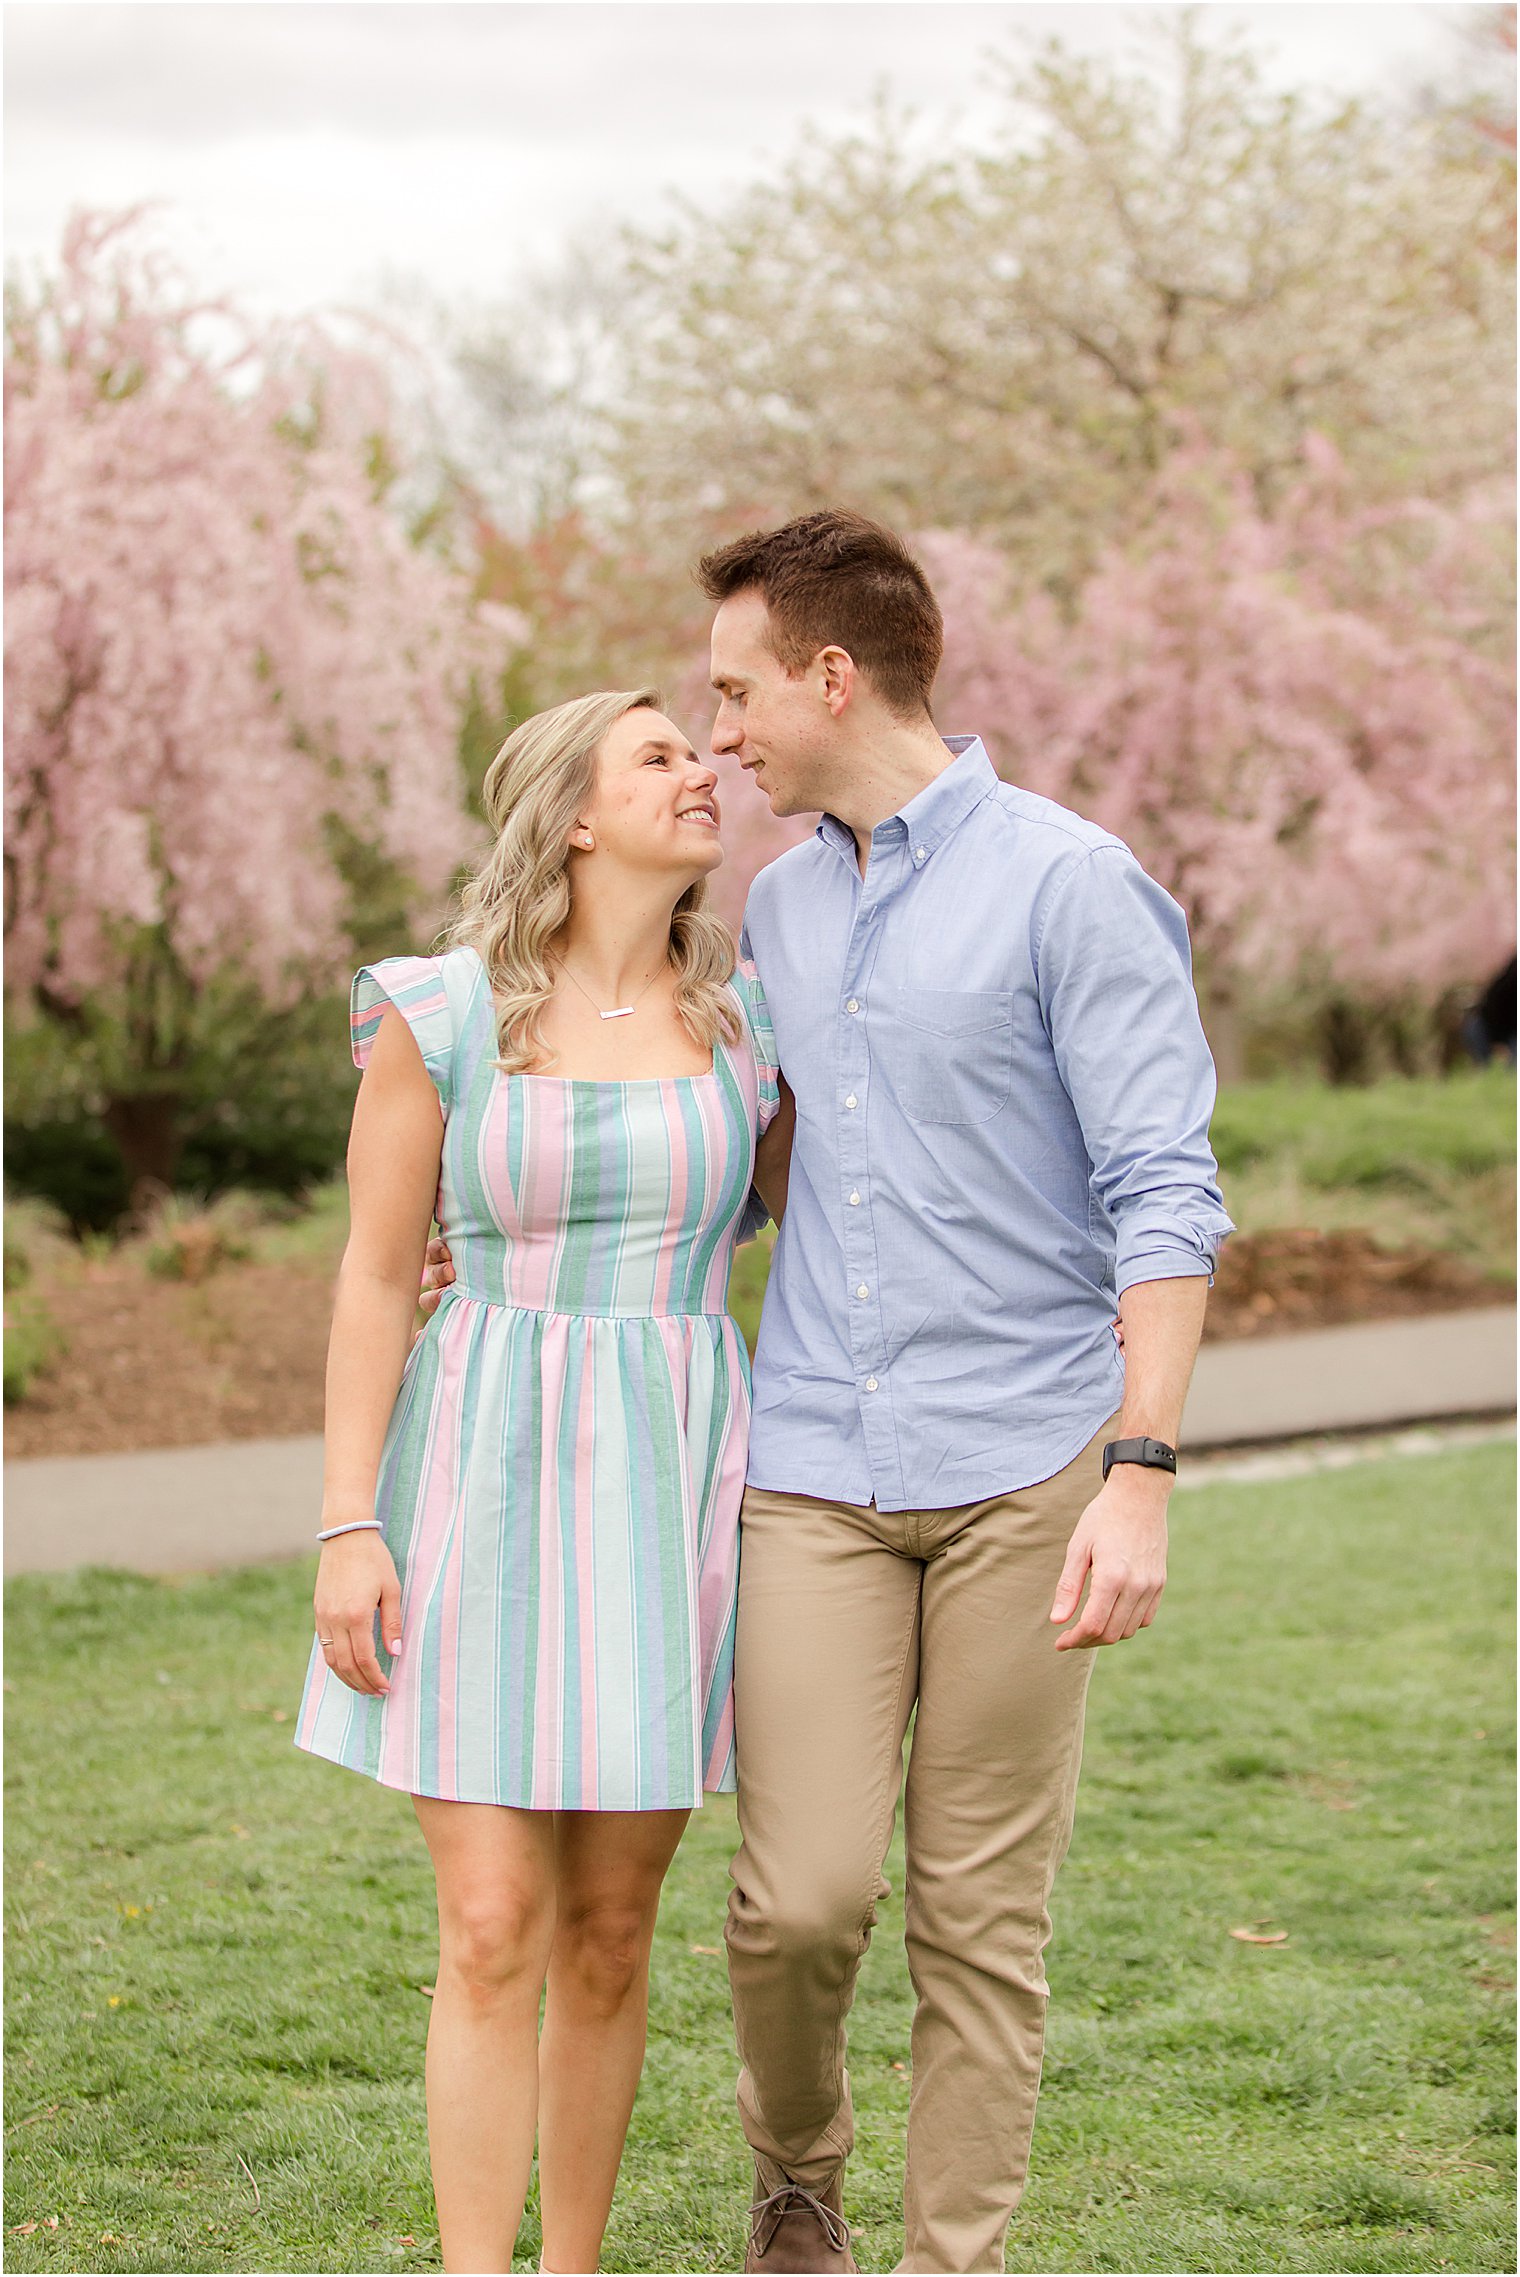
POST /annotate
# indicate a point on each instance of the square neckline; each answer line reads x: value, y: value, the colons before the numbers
x: 589, y: 1082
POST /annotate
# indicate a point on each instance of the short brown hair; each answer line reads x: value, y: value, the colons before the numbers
x: 837, y: 579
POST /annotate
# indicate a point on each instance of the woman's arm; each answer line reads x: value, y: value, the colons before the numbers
x: 394, y: 1151
x: 773, y: 1155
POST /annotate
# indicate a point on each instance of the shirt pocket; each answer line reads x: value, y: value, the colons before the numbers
x: 954, y: 1053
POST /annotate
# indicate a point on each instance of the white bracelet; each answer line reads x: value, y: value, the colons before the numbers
x: 354, y: 1526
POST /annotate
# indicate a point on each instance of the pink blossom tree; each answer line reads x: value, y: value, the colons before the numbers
x: 227, y: 667
x: 1303, y: 724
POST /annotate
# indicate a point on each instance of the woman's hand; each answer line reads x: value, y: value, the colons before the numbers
x: 355, y: 1579
x: 773, y: 1155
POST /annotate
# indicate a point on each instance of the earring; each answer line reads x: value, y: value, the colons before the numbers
x: 587, y: 840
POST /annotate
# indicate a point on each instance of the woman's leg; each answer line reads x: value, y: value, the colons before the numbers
x: 611, y: 1867
x: 495, y: 1869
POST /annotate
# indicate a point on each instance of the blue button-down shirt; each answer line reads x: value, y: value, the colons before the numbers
x: 1003, y: 1099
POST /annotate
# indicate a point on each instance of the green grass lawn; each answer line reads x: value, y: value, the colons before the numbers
x: 217, y: 1943
x: 1427, y: 1162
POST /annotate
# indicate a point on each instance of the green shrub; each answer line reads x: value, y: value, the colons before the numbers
x: 267, y: 1107
x: 185, y: 1237
x: 1402, y: 1132
x: 33, y: 1341
x: 37, y: 1240
x: 72, y: 1162
x: 18, y: 1265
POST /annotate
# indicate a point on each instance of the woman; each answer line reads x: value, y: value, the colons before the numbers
x: 545, y: 1514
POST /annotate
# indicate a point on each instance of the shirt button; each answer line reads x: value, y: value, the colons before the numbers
x: 919, y: 854
x: 862, y: 1291
x: 854, y: 1201
x: 853, y: 1005
x: 872, y: 1384
x: 852, y: 1101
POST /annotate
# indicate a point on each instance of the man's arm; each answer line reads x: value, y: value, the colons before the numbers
x: 1121, y: 1535
x: 1116, y: 990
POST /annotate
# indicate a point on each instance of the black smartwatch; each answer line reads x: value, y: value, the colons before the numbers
x: 1151, y: 1454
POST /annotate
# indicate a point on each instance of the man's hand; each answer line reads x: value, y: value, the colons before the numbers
x: 1121, y: 1538
x: 437, y: 1272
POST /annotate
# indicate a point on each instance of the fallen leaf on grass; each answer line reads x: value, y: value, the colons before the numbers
x: 21, y: 2229
x: 406, y: 2241
x: 281, y: 1716
x: 1260, y: 1936
x: 713, y: 1952
x: 428, y: 1989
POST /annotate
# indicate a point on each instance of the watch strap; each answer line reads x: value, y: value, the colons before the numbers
x: 1151, y: 1454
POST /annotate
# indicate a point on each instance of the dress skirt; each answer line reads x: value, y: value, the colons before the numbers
x: 562, y: 1472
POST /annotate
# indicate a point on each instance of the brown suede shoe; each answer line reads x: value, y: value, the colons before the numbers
x: 793, y: 2229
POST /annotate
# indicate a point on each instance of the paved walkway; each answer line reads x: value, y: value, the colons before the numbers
x: 185, y: 1509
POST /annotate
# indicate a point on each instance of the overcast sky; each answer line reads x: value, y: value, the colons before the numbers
x: 305, y: 153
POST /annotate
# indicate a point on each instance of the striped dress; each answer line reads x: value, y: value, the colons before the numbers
x: 561, y: 1476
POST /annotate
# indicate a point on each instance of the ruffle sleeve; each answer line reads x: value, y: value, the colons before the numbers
x: 762, y: 1036
x: 415, y: 986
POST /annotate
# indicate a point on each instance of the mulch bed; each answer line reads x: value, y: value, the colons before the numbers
x: 1297, y: 1278
x: 241, y: 1355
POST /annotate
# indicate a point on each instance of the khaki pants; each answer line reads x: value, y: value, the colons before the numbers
x: 850, y: 1618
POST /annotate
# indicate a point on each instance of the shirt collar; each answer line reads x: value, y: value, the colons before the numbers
x: 927, y: 820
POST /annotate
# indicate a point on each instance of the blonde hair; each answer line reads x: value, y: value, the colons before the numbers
x: 518, y: 901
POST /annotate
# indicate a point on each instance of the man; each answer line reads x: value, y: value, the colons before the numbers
x: 1001, y: 1091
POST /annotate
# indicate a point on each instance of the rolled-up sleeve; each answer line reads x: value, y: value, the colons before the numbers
x: 1116, y: 993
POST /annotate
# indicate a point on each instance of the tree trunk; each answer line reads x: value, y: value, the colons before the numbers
x: 1225, y: 1031
x: 1345, y: 1043
x: 146, y: 1130
x: 1450, y: 1018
